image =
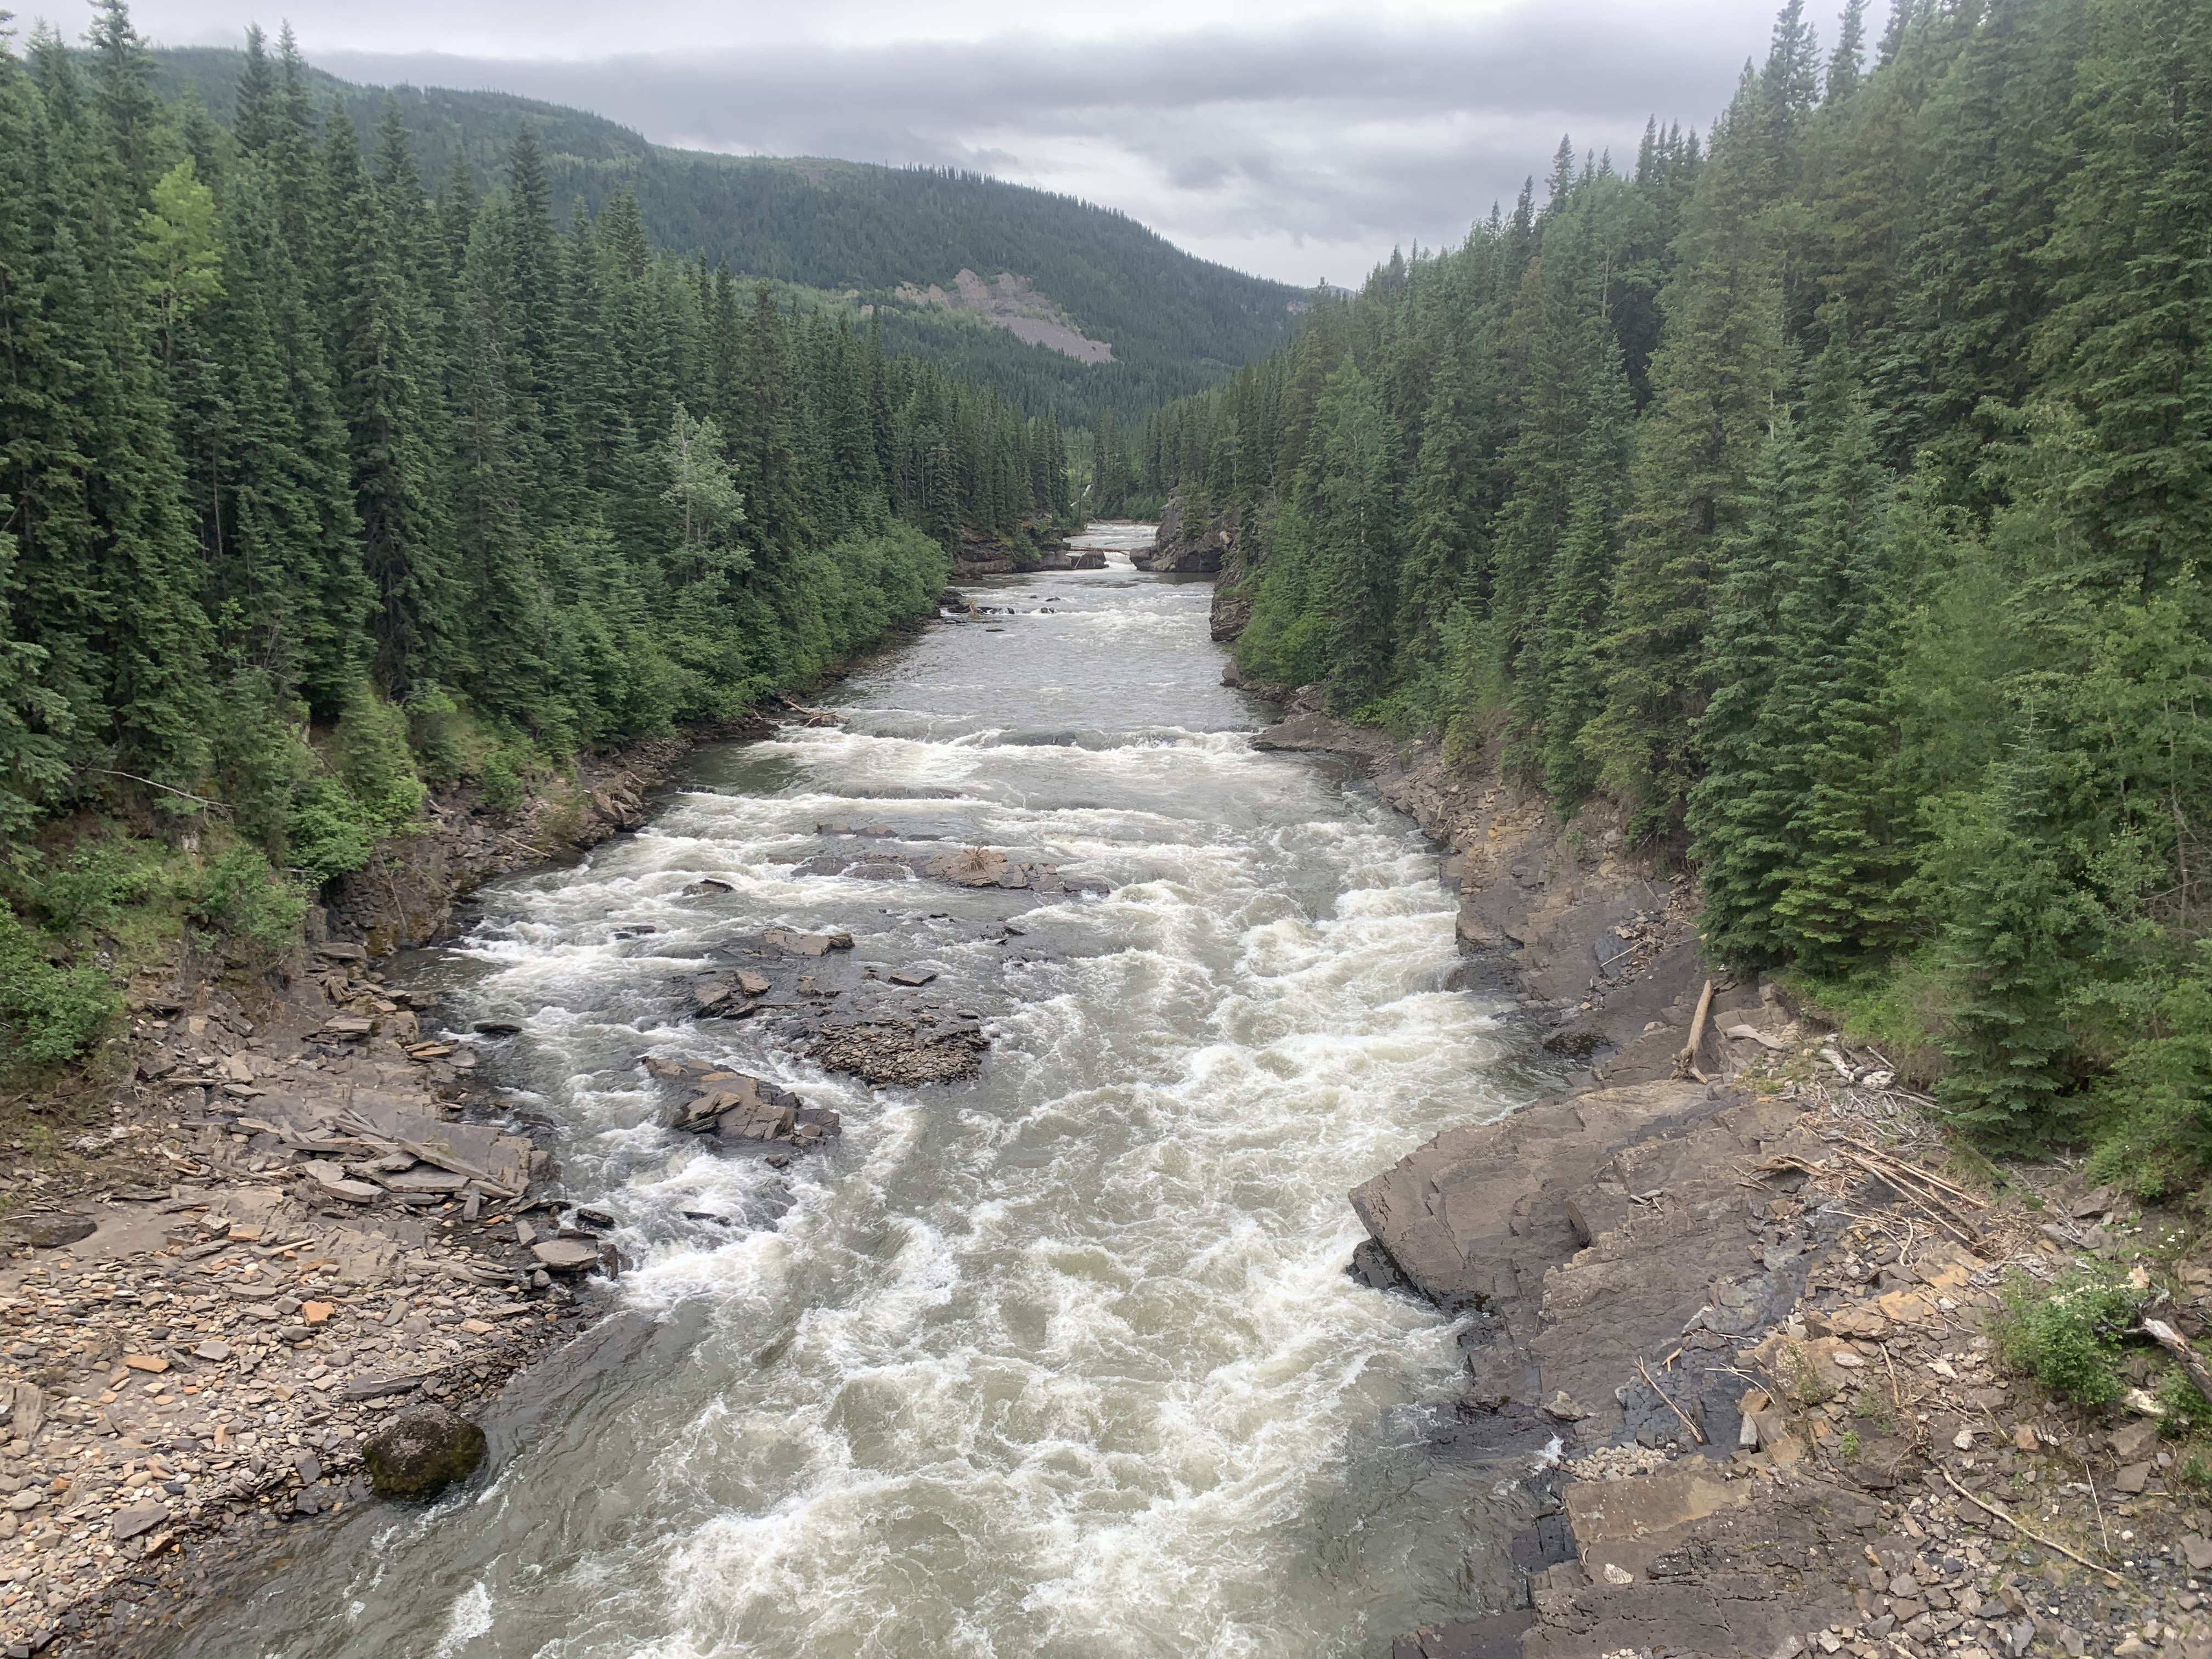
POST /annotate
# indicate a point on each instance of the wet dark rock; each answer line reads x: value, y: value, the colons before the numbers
x: 48, y: 1232
x: 1371, y: 1266
x: 497, y: 1027
x: 705, y: 885
x: 422, y: 1450
x: 566, y: 1255
x: 908, y: 1051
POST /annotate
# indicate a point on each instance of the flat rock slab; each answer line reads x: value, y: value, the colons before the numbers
x: 792, y: 943
x: 376, y: 1387
x: 566, y: 1255
x: 477, y: 1147
x: 49, y: 1232
x: 1479, y: 1213
x: 424, y: 1178
x: 139, y: 1517
x: 330, y: 1180
x: 1626, y: 1524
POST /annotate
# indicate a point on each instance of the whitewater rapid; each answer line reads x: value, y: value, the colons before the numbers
x: 1063, y: 1362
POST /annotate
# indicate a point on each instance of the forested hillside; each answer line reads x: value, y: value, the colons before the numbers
x: 1835, y: 496
x: 318, y: 487
x: 1178, y: 322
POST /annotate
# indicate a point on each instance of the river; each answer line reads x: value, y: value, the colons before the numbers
x: 1060, y: 1363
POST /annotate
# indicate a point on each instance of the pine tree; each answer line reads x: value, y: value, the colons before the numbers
x: 1359, y: 477
x: 388, y: 403
x: 2130, y: 334
x: 1713, y: 383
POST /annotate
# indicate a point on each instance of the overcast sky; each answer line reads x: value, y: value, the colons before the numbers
x: 1300, y: 139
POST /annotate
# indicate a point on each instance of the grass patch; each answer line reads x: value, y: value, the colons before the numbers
x: 1897, y: 1010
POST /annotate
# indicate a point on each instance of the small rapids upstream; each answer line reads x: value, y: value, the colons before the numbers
x: 1060, y: 1363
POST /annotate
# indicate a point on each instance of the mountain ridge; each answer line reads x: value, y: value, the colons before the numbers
x: 855, y: 233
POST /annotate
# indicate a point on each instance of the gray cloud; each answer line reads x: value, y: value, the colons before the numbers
x: 1326, y: 142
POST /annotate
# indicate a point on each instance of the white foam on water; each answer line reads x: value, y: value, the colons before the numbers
x: 1060, y: 1364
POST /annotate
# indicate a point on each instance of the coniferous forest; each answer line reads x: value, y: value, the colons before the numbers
x: 1826, y: 494
x: 851, y: 233
x: 1833, y: 493
x: 321, y: 484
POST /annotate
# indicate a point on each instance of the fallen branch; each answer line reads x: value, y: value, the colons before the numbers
x: 107, y: 772
x: 1932, y: 1196
x: 1925, y: 1177
x: 2036, y: 1537
x: 1900, y: 1178
x: 1697, y: 1433
x: 2179, y: 1346
x: 1685, y: 1063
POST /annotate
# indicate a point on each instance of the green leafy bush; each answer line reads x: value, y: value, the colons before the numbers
x: 2067, y: 1334
x: 2186, y: 1414
x: 249, y: 903
x: 369, y: 752
x: 443, y: 736
x: 92, y: 886
x: 2155, y: 1116
x: 50, y: 1012
x: 261, y: 756
x: 501, y: 780
x: 327, y: 832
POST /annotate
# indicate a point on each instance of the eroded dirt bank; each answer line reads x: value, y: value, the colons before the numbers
x: 1734, y: 1292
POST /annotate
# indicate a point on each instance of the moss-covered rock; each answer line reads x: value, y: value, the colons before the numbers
x: 422, y: 1451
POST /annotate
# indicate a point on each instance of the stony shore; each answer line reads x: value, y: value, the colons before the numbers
x: 1730, y: 1296
x: 297, y: 1216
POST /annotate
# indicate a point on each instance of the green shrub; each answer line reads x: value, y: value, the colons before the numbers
x: 369, y: 752
x: 2192, y: 1473
x: 327, y: 832
x: 443, y: 736
x: 261, y: 756
x: 2067, y: 1334
x: 501, y: 784
x: 2185, y: 1412
x: 2154, y: 1120
x: 249, y: 903
x: 51, y: 1012
x: 91, y: 889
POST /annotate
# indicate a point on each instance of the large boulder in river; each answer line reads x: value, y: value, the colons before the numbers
x: 1187, y: 544
x: 422, y: 1451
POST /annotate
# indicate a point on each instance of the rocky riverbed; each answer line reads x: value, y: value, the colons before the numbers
x: 1719, y: 1312
x: 306, y: 1216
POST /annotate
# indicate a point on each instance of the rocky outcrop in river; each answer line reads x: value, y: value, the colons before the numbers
x: 1188, y: 544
